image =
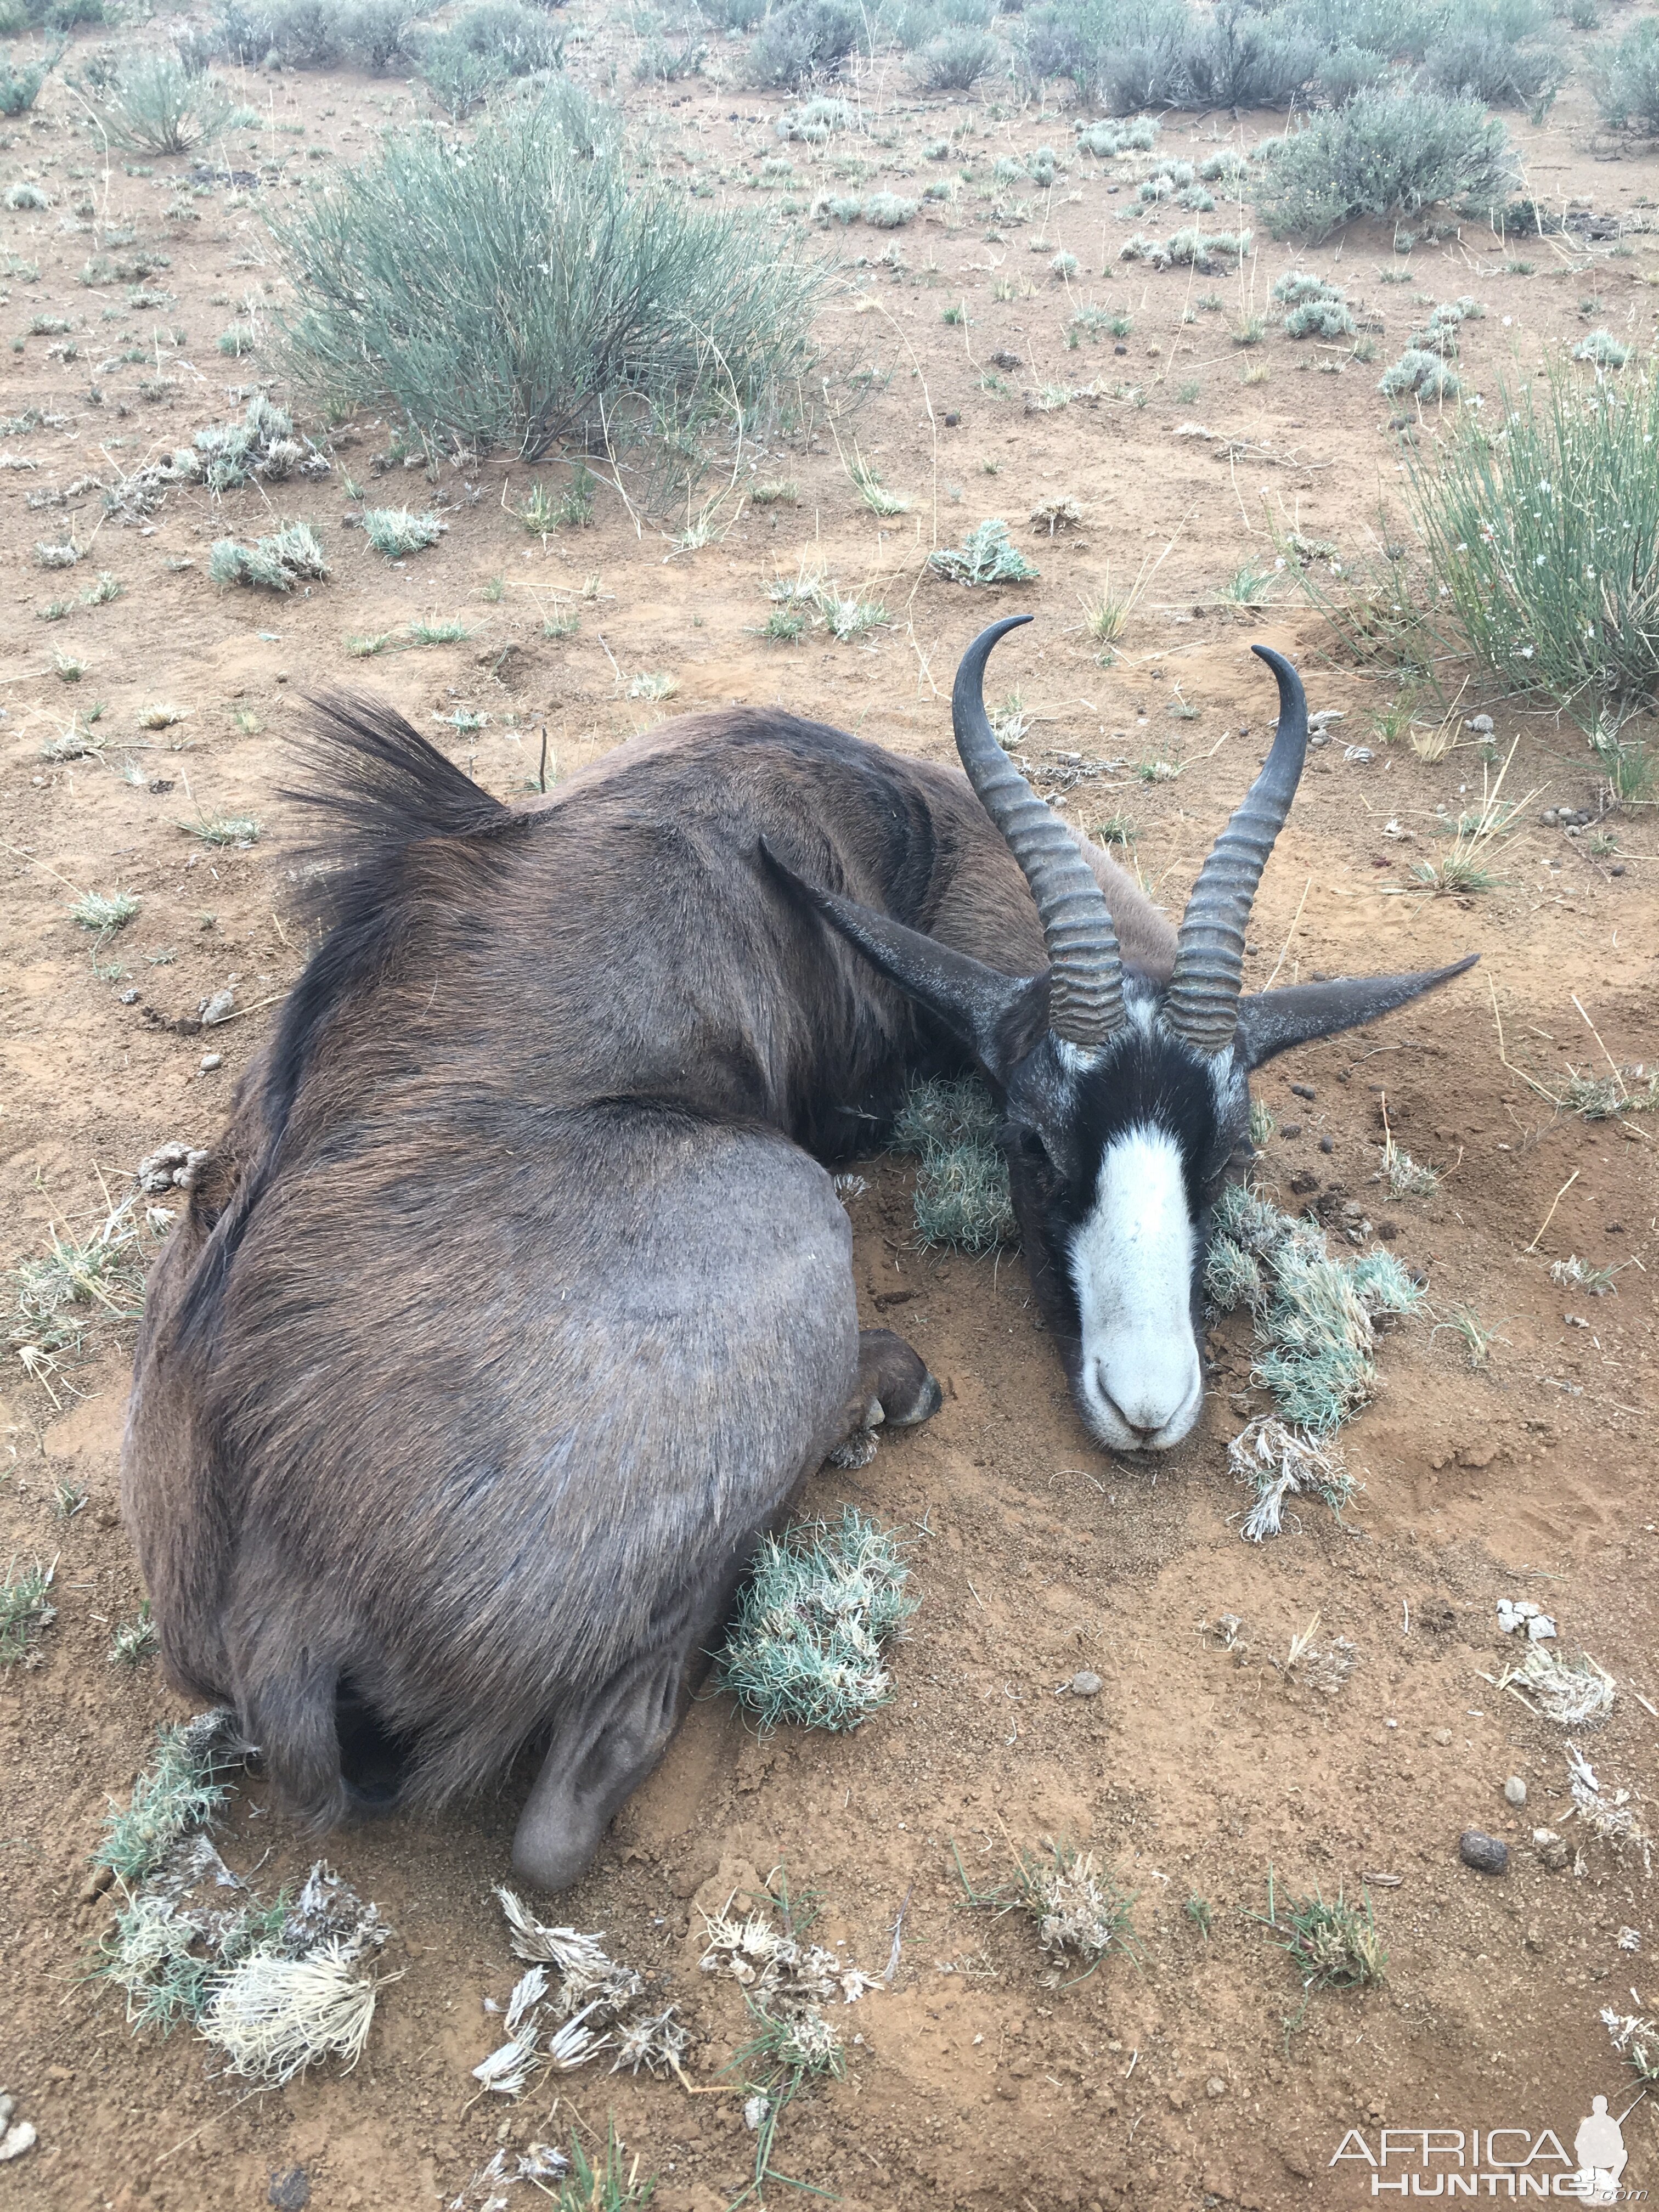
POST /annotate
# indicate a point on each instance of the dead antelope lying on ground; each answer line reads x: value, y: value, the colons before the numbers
x: 516, y: 1299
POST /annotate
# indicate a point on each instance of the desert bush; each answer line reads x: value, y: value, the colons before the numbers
x: 1543, y: 533
x: 1122, y: 54
x: 1347, y: 70
x: 731, y: 14
x: 804, y: 40
x: 1316, y: 308
x: 1624, y: 79
x: 815, y: 121
x: 521, y: 38
x: 888, y: 212
x: 1397, y: 29
x: 526, y: 287
x: 807, y: 1637
x: 1237, y: 57
x: 21, y: 87
x: 377, y: 32
x: 1387, y: 153
x: 1477, y: 62
x: 156, y: 106
x: 956, y: 60
x: 289, y: 556
x: 1119, y: 54
x: 1418, y: 374
x: 1136, y: 135
x: 459, y: 79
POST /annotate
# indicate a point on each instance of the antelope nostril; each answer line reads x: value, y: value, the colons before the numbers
x: 1139, y: 1429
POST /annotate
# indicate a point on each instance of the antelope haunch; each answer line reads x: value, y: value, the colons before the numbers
x: 516, y: 1298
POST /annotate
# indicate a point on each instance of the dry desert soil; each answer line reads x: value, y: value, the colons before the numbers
x: 1195, y: 2072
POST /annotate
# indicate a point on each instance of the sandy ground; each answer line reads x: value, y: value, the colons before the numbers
x: 1197, y: 2075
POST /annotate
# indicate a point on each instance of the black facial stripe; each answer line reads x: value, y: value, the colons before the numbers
x: 1143, y: 1082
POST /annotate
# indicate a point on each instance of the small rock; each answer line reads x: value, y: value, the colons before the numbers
x: 103, y: 1878
x: 755, y: 2110
x: 19, y: 2137
x: 1515, y: 1791
x: 1540, y: 1629
x: 1513, y: 1611
x: 129, y: 998
x: 1215, y: 2086
x: 1327, y: 1144
x: 1443, y: 1736
x: 1486, y: 1853
x: 1630, y: 1939
x: 289, y: 2189
x: 1085, y: 1684
x: 1480, y: 724
x: 1550, y: 1848
x: 218, y: 1008
x: 210, y: 1060
x: 952, y: 420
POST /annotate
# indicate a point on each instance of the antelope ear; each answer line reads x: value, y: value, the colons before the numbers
x: 978, y: 1003
x: 1273, y: 1021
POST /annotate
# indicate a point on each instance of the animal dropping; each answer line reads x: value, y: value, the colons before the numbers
x: 412, y: 1505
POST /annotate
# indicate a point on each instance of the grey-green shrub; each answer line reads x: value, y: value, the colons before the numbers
x: 1119, y: 54
x: 1316, y: 308
x: 1484, y: 67
x: 459, y: 78
x: 21, y: 87
x: 1122, y: 54
x: 807, y: 1637
x: 1418, y: 374
x: 1387, y: 153
x: 156, y: 106
x: 1625, y: 78
x: 526, y: 287
x: 1541, y: 527
x: 289, y: 556
x: 1349, y: 69
x: 803, y: 39
x: 962, y: 1198
x: 522, y: 40
x: 956, y: 60
x: 888, y: 212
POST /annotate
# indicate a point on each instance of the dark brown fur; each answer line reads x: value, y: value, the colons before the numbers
x: 515, y: 1298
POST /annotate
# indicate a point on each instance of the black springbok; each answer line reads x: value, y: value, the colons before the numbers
x: 516, y: 1298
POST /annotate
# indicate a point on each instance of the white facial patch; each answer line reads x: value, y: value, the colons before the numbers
x: 1140, y: 1381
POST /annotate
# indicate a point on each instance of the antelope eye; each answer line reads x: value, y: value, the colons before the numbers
x: 1035, y: 1155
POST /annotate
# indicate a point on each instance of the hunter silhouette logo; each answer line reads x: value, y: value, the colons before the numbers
x: 1493, y: 2162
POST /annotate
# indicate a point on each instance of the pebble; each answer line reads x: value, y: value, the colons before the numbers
x: 1481, y: 724
x: 1085, y: 1684
x: 1515, y: 1791
x: 20, y: 2135
x: 218, y: 1008
x: 1215, y: 2086
x: 129, y: 998
x: 1550, y: 1848
x: 210, y: 1060
x: 1443, y: 1736
x: 1486, y: 1853
x: 289, y: 2189
x: 1327, y: 1144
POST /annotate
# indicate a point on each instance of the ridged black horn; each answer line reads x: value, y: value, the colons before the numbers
x: 1201, y: 1005
x: 1085, y: 989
